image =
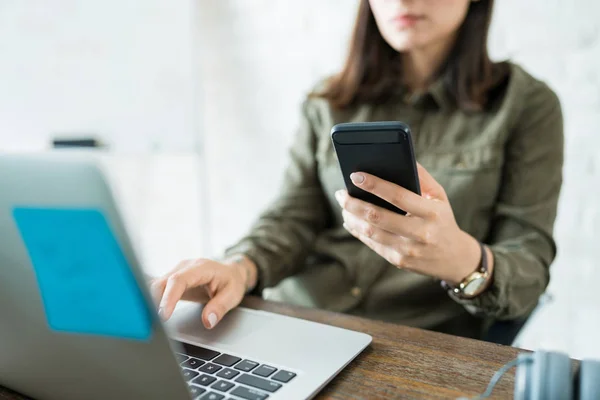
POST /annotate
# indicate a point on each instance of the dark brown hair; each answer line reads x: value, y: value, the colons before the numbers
x: 372, y: 71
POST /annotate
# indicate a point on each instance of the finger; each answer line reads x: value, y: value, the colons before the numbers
x: 178, y: 283
x: 198, y: 294
x: 174, y: 289
x: 368, y: 230
x: 392, y: 255
x: 225, y: 299
x: 380, y: 217
x: 402, y: 198
x: 429, y: 186
x: 376, y: 247
x: 382, y: 250
x: 157, y: 288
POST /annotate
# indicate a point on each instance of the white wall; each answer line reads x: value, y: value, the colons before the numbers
x: 119, y: 69
x: 259, y: 59
x: 262, y: 57
x: 559, y: 41
x: 123, y: 71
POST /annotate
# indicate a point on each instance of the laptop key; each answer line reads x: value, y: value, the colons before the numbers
x: 209, y: 368
x: 204, y: 380
x: 212, y: 396
x: 226, y: 360
x: 249, y: 394
x: 246, y: 365
x: 222, y: 386
x: 259, y: 383
x: 264, y: 370
x: 284, y: 376
x: 228, y: 373
x: 189, y: 374
x: 181, y: 357
x: 192, y: 363
x: 196, y: 391
x: 199, y: 352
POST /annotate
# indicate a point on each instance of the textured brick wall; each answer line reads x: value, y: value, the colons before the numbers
x: 260, y: 57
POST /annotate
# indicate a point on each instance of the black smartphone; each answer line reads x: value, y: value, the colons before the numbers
x: 383, y: 149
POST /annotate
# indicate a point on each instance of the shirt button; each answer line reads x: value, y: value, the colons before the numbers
x: 356, y: 291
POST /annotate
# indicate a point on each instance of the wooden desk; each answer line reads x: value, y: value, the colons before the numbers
x: 402, y: 362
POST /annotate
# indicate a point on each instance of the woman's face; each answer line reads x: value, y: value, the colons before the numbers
x: 408, y: 25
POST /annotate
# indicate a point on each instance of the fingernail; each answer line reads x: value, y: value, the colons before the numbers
x: 345, y: 226
x: 338, y: 195
x: 212, y: 320
x: 357, y: 179
x: 161, y: 312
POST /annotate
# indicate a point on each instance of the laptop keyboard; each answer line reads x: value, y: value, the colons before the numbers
x: 212, y: 375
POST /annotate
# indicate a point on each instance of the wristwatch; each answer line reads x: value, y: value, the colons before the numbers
x: 474, y: 283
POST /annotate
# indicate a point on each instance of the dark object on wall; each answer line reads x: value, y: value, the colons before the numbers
x: 85, y: 142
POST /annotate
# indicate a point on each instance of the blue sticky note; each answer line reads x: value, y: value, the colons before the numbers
x: 84, y: 279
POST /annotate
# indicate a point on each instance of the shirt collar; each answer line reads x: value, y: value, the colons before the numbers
x: 436, y: 94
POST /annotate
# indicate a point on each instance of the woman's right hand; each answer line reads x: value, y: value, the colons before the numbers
x: 221, y: 286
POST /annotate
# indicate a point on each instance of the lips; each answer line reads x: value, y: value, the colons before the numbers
x: 406, y: 20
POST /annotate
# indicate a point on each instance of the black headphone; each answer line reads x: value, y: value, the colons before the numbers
x: 545, y: 375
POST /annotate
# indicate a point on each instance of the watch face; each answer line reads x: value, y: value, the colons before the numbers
x: 473, y: 287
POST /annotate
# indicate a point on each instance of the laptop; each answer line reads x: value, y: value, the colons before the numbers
x: 56, y: 347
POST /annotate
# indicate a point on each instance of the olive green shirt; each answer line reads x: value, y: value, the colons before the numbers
x: 501, y: 169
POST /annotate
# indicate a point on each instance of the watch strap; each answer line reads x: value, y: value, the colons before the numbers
x: 482, y: 268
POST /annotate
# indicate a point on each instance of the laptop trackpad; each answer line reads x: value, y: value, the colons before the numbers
x: 237, y: 326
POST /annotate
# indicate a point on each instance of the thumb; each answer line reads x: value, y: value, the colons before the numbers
x: 429, y: 186
x: 223, y: 301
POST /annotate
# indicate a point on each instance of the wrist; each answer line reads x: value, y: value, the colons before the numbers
x: 468, y: 259
x: 476, y: 281
x: 248, y: 268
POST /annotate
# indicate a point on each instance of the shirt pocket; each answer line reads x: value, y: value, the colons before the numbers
x: 472, y: 179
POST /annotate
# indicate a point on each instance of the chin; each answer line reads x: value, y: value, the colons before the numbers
x: 405, y: 41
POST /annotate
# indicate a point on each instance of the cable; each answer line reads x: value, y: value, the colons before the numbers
x: 496, y: 378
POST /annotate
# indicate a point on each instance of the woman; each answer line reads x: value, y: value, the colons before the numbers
x: 489, y: 140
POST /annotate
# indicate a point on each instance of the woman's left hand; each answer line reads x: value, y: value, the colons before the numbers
x: 427, y: 240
